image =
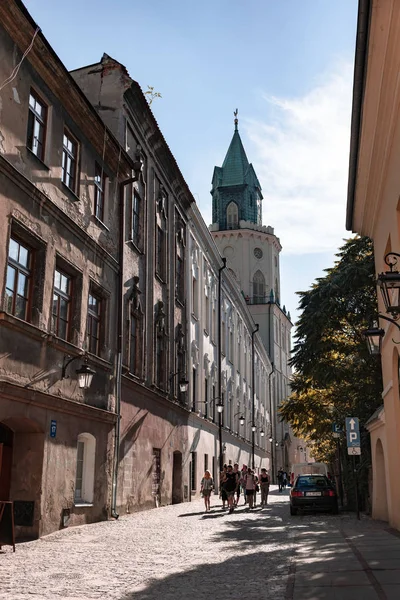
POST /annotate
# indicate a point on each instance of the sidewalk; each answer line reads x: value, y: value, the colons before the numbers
x: 361, y: 560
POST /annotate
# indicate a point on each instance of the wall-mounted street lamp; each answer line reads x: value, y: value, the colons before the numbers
x: 85, y: 373
x: 183, y: 382
x: 389, y: 284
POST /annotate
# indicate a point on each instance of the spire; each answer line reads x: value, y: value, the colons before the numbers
x: 235, y: 165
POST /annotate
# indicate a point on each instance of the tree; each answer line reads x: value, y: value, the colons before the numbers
x: 335, y: 376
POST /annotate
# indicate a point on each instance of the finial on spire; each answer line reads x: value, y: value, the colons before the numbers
x: 235, y: 112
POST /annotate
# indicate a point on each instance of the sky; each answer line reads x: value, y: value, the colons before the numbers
x: 287, y: 65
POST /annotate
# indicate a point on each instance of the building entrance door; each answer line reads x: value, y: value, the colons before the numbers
x: 6, y: 451
x: 177, y: 478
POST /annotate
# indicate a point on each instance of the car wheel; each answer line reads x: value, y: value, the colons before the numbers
x: 293, y: 511
x: 335, y: 510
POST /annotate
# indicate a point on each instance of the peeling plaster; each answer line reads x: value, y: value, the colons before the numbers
x: 16, y: 96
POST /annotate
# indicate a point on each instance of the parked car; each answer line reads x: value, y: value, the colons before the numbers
x: 308, y: 468
x: 313, y: 492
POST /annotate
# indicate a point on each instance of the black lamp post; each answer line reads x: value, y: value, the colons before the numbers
x: 271, y: 438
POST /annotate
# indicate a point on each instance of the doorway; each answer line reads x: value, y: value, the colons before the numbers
x: 380, y: 508
x: 177, y: 478
x: 6, y: 453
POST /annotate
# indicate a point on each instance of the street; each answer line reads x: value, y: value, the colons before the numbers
x: 178, y: 552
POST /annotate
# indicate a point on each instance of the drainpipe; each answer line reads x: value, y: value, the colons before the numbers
x: 253, y: 433
x: 137, y: 168
x: 221, y: 458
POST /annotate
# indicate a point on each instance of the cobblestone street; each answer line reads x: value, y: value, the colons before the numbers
x: 178, y: 552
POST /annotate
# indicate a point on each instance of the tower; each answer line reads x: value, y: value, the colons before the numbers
x: 252, y: 254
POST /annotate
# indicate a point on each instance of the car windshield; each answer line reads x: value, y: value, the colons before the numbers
x: 312, y: 481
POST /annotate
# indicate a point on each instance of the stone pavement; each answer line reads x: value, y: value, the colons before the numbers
x: 178, y: 552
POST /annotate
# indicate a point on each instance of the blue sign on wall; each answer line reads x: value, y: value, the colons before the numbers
x: 352, y: 432
x: 53, y: 428
x: 337, y: 428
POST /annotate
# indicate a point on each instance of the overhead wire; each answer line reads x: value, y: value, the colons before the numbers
x: 14, y: 72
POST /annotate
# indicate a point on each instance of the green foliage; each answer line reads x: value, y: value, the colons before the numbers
x: 335, y: 376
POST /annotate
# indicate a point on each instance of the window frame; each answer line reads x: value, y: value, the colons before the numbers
x: 33, y: 118
x: 27, y: 272
x: 68, y: 296
x: 67, y: 154
x: 100, y: 183
x: 88, y: 463
x: 136, y: 218
x: 98, y: 318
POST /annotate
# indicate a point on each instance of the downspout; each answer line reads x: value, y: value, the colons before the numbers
x: 221, y: 459
x: 253, y: 333
x: 137, y: 168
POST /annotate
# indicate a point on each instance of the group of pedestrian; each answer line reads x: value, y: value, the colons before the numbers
x: 282, y: 478
x: 233, y: 482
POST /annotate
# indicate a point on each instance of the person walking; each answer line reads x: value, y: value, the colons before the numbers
x: 238, y: 486
x: 242, y: 482
x: 206, y: 487
x: 280, y: 479
x: 264, y: 485
x: 250, y: 486
x: 285, y: 479
x: 230, y: 485
x: 222, y: 491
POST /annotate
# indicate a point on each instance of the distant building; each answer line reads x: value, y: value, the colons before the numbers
x: 252, y: 254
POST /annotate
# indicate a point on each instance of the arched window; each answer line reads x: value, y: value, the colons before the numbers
x: 85, y: 464
x: 258, y: 288
x: 232, y: 215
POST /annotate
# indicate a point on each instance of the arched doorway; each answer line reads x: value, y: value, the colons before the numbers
x: 380, y: 507
x: 6, y: 452
x: 177, y: 478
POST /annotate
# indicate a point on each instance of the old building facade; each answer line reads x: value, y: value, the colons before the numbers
x: 108, y: 270
x: 373, y: 210
x: 60, y: 170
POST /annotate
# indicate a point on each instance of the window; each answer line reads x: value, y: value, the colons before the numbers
x: 93, y: 324
x: 195, y: 297
x: 194, y: 390
x: 258, y: 288
x: 194, y: 470
x: 179, y: 281
x: 160, y: 377
x: 37, y: 119
x: 135, y: 233
x: 232, y: 215
x: 85, y: 465
x: 206, y: 398
x: 69, y: 161
x: 99, y: 192
x: 61, y: 312
x: 206, y: 462
x: 18, y: 280
x: 160, y: 253
x: 213, y: 403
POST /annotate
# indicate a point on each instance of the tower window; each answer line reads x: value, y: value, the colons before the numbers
x: 232, y: 215
x: 258, y: 288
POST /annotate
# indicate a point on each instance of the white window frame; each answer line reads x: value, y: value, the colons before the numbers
x: 88, y: 469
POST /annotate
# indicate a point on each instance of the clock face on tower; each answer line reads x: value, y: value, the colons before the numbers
x: 258, y: 253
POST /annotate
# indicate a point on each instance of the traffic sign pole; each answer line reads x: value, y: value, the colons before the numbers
x: 356, y: 478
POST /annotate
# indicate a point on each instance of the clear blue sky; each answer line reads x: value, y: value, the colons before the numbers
x: 287, y: 66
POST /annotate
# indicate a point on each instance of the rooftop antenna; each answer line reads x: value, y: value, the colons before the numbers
x: 236, y: 119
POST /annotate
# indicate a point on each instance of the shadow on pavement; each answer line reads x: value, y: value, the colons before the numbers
x: 222, y: 581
